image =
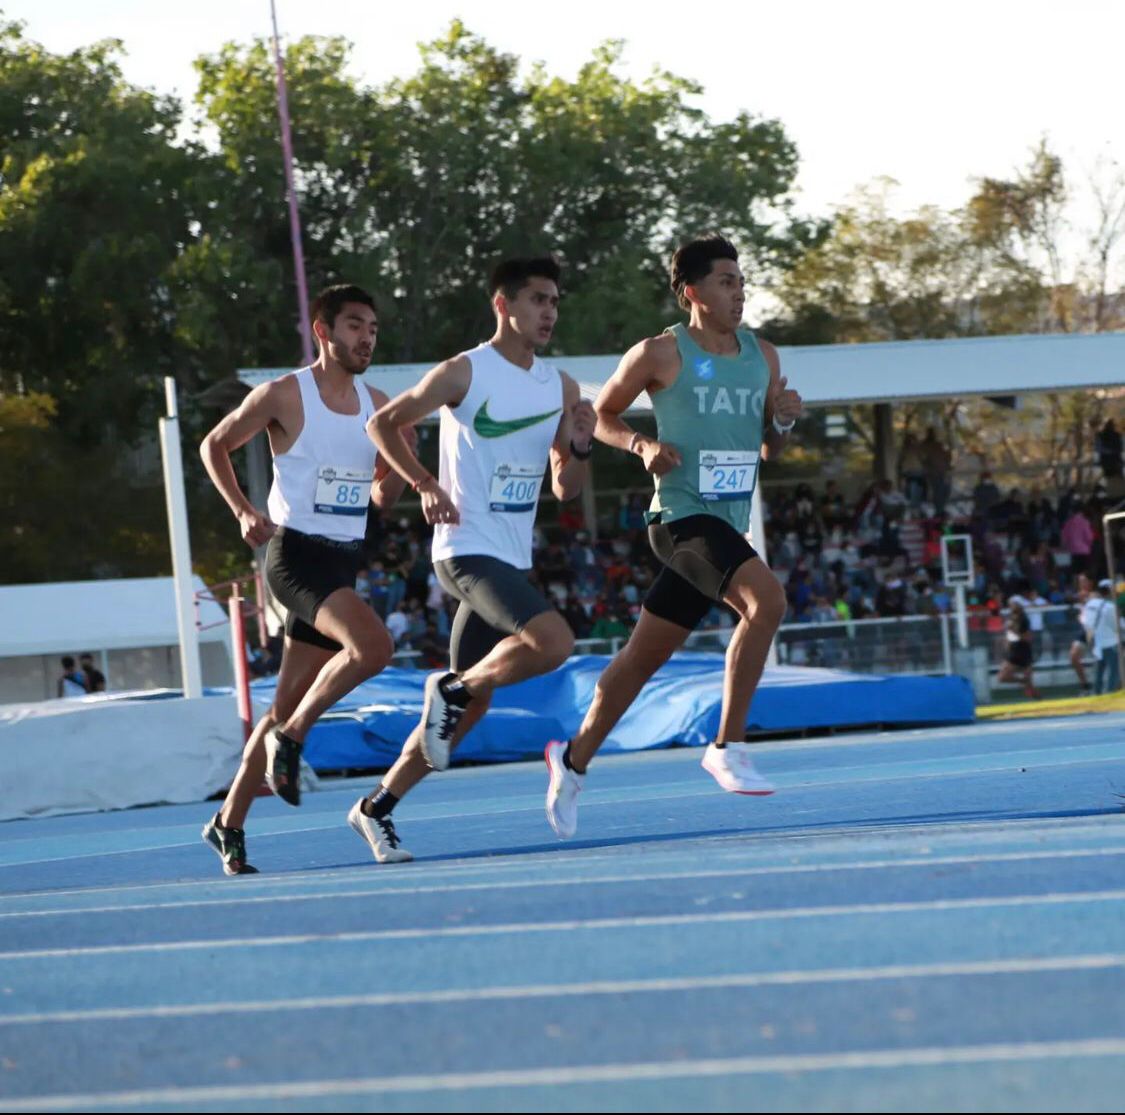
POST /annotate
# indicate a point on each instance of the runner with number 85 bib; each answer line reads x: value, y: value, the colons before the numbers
x: 325, y: 474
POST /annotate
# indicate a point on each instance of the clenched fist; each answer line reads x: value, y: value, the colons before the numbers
x: 659, y: 457
x: 583, y: 419
x: 257, y: 529
x: 784, y: 403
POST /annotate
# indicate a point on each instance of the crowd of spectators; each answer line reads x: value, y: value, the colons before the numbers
x: 840, y: 558
x: 881, y: 555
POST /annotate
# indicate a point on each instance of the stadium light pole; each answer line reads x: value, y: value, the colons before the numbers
x: 294, y: 215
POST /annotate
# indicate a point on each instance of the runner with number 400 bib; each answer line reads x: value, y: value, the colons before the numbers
x: 507, y: 417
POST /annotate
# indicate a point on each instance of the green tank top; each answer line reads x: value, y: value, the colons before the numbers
x: 713, y: 415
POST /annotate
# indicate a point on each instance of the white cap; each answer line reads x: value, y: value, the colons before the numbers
x: 1106, y: 583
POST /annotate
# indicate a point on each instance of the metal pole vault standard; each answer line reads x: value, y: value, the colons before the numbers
x: 190, y: 668
x: 294, y: 215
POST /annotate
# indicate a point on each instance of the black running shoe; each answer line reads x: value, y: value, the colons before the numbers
x: 283, y: 766
x: 230, y: 846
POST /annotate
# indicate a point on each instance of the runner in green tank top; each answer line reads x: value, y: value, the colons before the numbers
x: 720, y: 403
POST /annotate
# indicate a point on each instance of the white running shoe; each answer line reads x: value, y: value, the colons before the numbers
x: 439, y: 721
x: 562, y: 792
x: 733, y: 769
x: 380, y: 835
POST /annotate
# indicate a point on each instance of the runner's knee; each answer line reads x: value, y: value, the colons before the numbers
x: 551, y: 639
x: 373, y: 654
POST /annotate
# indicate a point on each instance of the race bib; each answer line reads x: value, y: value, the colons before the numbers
x: 341, y: 491
x: 515, y: 488
x: 727, y: 474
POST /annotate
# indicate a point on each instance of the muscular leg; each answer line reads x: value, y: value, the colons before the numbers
x: 1077, y: 649
x: 544, y: 644
x: 300, y: 664
x: 367, y: 648
x: 652, y: 643
x: 756, y: 594
x: 411, y: 766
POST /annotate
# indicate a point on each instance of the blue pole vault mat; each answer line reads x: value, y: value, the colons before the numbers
x: 680, y: 706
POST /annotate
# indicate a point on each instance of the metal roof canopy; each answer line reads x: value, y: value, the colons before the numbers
x: 885, y: 372
x: 71, y: 617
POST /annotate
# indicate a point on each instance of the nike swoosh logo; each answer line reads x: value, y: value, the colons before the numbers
x: 487, y: 426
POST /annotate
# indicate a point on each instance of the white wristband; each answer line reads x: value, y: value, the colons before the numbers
x: 783, y: 430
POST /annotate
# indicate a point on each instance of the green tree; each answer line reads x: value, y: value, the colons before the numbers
x: 95, y: 207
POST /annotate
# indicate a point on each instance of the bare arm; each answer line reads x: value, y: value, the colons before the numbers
x: 445, y: 385
x: 641, y: 369
x: 782, y: 403
x: 387, y: 486
x: 261, y: 408
x: 576, y: 431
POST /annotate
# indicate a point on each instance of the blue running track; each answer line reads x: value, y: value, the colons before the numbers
x: 932, y: 920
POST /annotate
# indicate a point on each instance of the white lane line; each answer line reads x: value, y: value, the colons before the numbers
x: 622, y: 1073
x: 1019, y: 966
x: 376, y: 891
x: 615, y: 797
x: 1005, y: 831
x: 598, y: 924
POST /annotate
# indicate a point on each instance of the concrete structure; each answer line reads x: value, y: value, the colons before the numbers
x: 129, y: 626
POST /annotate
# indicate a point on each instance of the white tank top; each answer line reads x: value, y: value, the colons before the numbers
x: 495, y: 448
x: 322, y: 485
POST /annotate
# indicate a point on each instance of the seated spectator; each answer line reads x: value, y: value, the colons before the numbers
x: 609, y: 626
x: 890, y: 600
x: 94, y: 678
x: 398, y: 624
x: 985, y: 496
x: 72, y: 683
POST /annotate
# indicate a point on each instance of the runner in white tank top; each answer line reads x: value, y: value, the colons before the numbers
x: 325, y: 473
x: 506, y: 417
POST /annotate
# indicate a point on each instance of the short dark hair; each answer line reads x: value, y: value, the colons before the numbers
x: 692, y: 262
x: 67, y: 662
x: 327, y: 305
x: 511, y: 275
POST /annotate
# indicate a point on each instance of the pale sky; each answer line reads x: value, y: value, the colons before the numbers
x: 930, y: 94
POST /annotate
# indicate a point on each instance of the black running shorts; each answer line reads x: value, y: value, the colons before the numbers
x: 496, y: 600
x: 302, y: 571
x: 700, y: 554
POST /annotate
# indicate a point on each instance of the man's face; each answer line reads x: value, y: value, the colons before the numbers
x: 722, y: 294
x: 350, y: 340
x: 534, y: 310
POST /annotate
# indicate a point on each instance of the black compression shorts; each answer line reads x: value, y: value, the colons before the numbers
x: 700, y: 554
x: 496, y: 600
x: 303, y: 570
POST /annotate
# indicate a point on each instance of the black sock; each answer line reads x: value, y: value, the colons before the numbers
x: 567, y: 763
x: 720, y: 744
x: 379, y: 805
x: 454, y: 691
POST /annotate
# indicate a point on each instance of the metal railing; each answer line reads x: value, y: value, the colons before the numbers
x: 900, y: 645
